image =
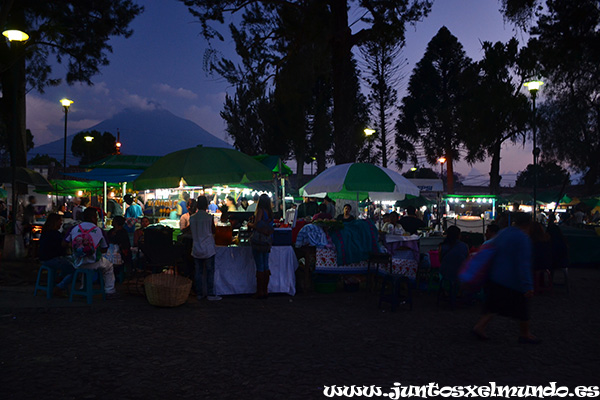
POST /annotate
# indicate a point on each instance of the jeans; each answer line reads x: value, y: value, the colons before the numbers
x: 261, y: 259
x: 200, y: 263
x: 65, y: 265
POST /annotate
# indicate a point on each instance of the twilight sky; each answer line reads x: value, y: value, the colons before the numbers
x: 161, y: 64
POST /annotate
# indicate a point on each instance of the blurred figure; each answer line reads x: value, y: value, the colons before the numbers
x: 244, y: 204
x: 510, y: 283
x: 491, y: 231
x: 410, y: 222
x: 77, y: 209
x: 204, y: 249
x: 542, y: 255
x: 184, y: 221
x: 308, y: 208
x: 346, y: 216
x: 252, y: 207
x: 182, y: 205
x: 262, y: 224
x: 322, y: 214
x: 559, y: 246
x: 230, y: 203
x: 132, y: 214
x: 453, y: 252
x: 330, y: 205
x: 119, y: 237
x: 113, y: 208
x: 138, y: 235
x: 52, y: 252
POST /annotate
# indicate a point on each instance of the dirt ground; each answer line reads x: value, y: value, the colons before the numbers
x: 281, y: 348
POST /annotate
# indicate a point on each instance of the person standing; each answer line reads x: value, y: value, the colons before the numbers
x: 204, y: 249
x: 88, y: 244
x: 261, y: 240
x: 132, y: 215
x: 510, y: 282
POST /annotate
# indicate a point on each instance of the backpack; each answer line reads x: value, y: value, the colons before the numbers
x: 83, y: 244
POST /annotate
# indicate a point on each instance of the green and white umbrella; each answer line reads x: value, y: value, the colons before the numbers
x: 202, y: 166
x: 359, y: 181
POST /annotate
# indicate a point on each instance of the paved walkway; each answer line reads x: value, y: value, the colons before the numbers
x: 283, y: 347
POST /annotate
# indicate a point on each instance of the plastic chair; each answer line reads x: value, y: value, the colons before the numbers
x: 50, y: 279
x: 88, y: 288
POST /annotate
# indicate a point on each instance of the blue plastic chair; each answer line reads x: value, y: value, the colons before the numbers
x: 88, y: 288
x: 50, y: 279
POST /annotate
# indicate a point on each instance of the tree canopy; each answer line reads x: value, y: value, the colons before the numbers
x: 566, y: 41
x: 102, y: 145
x: 380, y: 17
x: 431, y: 112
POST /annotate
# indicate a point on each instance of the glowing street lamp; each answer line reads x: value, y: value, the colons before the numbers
x: 533, y: 87
x: 88, y: 138
x: 14, y: 35
x: 66, y: 103
x: 369, y: 131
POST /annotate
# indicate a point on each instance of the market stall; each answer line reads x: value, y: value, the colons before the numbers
x: 348, y: 249
x: 211, y: 171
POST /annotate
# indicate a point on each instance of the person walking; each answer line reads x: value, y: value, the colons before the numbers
x: 510, y: 282
x: 261, y: 241
x: 204, y: 249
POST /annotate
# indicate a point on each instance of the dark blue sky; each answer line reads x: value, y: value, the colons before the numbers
x: 162, y: 64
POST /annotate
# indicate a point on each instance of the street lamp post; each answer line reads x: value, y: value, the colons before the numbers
x: 369, y: 134
x: 442, y: 161
x: 533, y: 87
x: 17, y: 95
x: 66, y: 103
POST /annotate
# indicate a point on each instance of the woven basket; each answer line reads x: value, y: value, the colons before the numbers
x: 165, y: 290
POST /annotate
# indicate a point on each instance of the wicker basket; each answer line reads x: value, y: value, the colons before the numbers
x: 166, y: 290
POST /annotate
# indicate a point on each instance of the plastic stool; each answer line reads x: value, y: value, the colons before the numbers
x: 88, y: 289
x: 394, y: 298
x: 49, y: 286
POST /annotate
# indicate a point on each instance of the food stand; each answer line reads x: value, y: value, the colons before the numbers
x: 471, y: 213
x: 212, y: 171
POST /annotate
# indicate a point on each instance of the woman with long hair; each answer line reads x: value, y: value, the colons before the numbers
x: 261, y: 241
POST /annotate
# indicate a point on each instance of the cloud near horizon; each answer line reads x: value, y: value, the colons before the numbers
x: 181, y: 92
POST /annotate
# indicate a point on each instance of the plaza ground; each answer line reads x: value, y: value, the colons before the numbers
x: 283, y: 347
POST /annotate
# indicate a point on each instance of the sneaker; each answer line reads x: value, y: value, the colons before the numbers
x: 214, y: 298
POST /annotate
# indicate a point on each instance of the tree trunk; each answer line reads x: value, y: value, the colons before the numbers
x: 590, y: 178
x: 383, y: 133
x: 450, y: 171
x: 495, y: 170
x: 300, y: 167
x: 343, y: 99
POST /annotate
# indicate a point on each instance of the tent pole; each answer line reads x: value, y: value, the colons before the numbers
x: 104, y: 202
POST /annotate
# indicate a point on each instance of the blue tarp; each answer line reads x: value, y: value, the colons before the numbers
x: 355, y: 242
x: 109, y: 175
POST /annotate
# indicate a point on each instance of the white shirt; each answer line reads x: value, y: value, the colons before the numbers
x: 201, y: 224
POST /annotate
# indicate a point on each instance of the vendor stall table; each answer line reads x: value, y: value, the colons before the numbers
x: 235, y: 272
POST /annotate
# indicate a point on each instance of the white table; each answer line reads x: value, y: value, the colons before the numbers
x: 235, y: 271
